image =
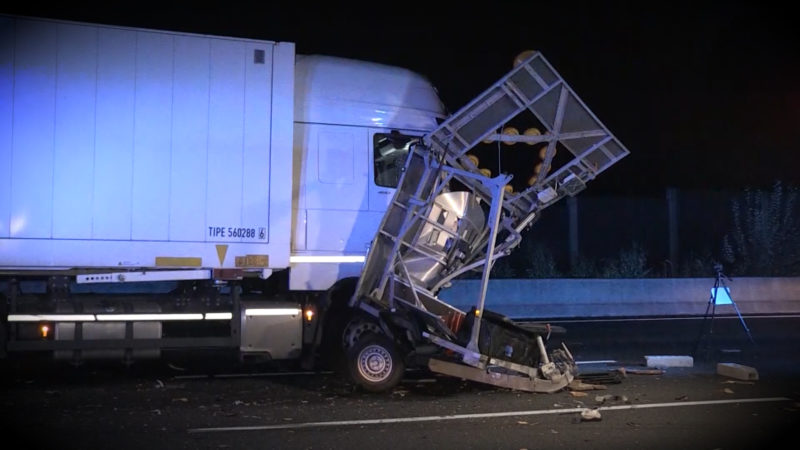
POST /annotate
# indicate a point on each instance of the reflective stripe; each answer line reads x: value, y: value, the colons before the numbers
x: 272, y: 312
x: 147, y: 317
x: 327, y: 259
x: 219, y: 316
x: 51, y: 318
x: 140, y: 317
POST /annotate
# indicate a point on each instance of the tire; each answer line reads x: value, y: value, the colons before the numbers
x: 374, y: 364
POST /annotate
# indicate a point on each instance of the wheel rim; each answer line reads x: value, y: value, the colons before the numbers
x: 375, y: 363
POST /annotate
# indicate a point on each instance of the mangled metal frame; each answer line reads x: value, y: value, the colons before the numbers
x: 408, y: 262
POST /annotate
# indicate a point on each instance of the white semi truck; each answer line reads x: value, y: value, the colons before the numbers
x: 163, y: 190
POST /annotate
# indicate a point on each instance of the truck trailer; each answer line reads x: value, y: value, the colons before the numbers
x: 163, y: 190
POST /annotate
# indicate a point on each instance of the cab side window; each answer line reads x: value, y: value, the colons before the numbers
x: 389, y: 153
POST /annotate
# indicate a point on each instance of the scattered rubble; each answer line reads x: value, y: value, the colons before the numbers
x: 611, y: 398
x: 578, y: 385
x: 589, y: 414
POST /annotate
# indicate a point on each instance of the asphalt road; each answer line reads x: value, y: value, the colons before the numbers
x: 212, y: 403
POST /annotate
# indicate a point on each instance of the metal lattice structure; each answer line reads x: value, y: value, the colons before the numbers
x: 449, y: 216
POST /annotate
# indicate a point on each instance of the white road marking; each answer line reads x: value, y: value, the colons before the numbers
x: 336, y: 423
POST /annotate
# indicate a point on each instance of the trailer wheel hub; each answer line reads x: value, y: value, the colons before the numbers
x: 375, y: 363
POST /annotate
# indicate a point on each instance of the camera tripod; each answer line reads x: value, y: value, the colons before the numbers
x: 719, y: 291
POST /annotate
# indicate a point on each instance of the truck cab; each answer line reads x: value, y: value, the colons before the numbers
x: 353, y: 124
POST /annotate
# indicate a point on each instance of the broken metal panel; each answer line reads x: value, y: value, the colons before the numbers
x: 501, y: 379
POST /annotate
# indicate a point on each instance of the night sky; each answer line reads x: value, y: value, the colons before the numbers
x: 704, y: 95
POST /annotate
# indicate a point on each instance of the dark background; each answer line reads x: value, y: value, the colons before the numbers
x: 704, y: 95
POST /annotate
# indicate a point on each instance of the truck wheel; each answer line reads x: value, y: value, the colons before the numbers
x: 374, y: 363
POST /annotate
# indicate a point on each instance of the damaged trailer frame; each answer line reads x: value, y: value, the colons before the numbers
x: 449, y: 217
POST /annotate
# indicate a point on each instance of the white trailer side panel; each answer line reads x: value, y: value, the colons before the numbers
x: 113, y: 149
x: 33, y: 129
x: 6, y: 121
x: 121, y: 146
x: 191, y: 65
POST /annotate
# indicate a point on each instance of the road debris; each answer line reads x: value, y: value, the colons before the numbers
x: 400, y: 392
x: 590, y: 414
x: 578, y: 385
x: 611, y: 398
x: 578, y: 394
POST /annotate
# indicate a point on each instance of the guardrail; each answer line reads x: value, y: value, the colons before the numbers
x: 595, y: 298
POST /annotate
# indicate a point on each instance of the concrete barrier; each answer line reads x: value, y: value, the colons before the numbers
x: 590, y: 298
